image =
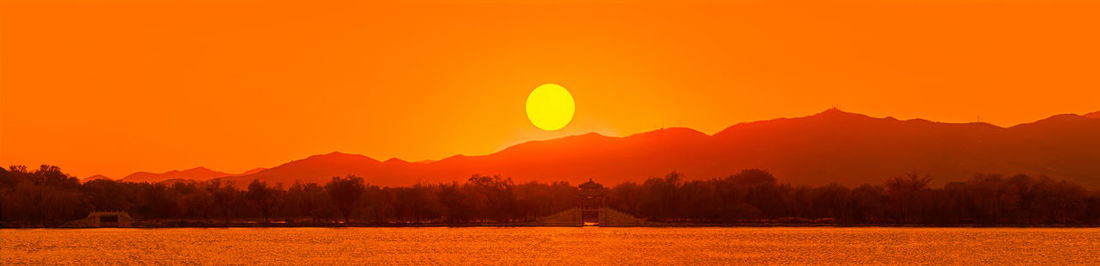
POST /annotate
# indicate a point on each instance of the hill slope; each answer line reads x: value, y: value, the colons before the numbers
x: 832, y: 146
x: 1093, y: 115
x: 93, y: 178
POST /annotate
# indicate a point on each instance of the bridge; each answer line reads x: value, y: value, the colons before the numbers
x: 107, y: 219
x: 591, y: 211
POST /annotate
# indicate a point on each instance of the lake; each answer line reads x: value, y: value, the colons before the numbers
x: 552, y: 245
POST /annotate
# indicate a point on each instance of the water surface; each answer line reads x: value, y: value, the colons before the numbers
x: 550, y: 245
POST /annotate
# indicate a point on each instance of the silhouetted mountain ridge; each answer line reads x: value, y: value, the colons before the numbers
x: 831, y: 146
x: 174, y: 176
x: 1093, y: 115
x: 93, y: 178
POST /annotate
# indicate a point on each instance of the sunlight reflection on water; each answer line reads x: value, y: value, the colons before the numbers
x: 549, y: 245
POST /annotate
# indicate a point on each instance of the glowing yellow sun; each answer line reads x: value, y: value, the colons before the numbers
x: 550, y: 107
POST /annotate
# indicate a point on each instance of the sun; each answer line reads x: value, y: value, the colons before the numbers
x: 550, y: 107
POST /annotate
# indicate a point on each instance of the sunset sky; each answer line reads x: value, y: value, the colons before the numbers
x: 112, y: 87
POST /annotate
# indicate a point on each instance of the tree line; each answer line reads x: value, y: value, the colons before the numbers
x: 47, y: 197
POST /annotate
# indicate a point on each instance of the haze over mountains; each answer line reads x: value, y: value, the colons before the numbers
x: 832, y: 146
x: 196, y: 174
x: 93, y: 178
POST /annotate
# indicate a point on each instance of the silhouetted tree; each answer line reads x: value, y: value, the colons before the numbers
x: 906, y: 193
x: 45, y: 196
x: 48, y: 197
x: 345, y: 192
x: 224, y: 196
x: 496, y: 195
x: 264, y: 197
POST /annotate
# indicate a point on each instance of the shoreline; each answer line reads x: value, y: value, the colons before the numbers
x: 505, y: 225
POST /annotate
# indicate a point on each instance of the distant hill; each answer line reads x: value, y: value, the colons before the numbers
x: 93, y: 178
x: 194, y: 174
x: 197, y: 173
x: 253, y: 171
x: 832, y: 146
x: 1093, y: 115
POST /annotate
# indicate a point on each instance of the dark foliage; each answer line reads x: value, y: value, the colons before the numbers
x: 47, y: 197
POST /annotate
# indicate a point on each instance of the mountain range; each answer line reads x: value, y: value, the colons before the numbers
x: 195, y: 174
x: 831, y: 146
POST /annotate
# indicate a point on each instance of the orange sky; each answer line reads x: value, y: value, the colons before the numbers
x: 114, y: 87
